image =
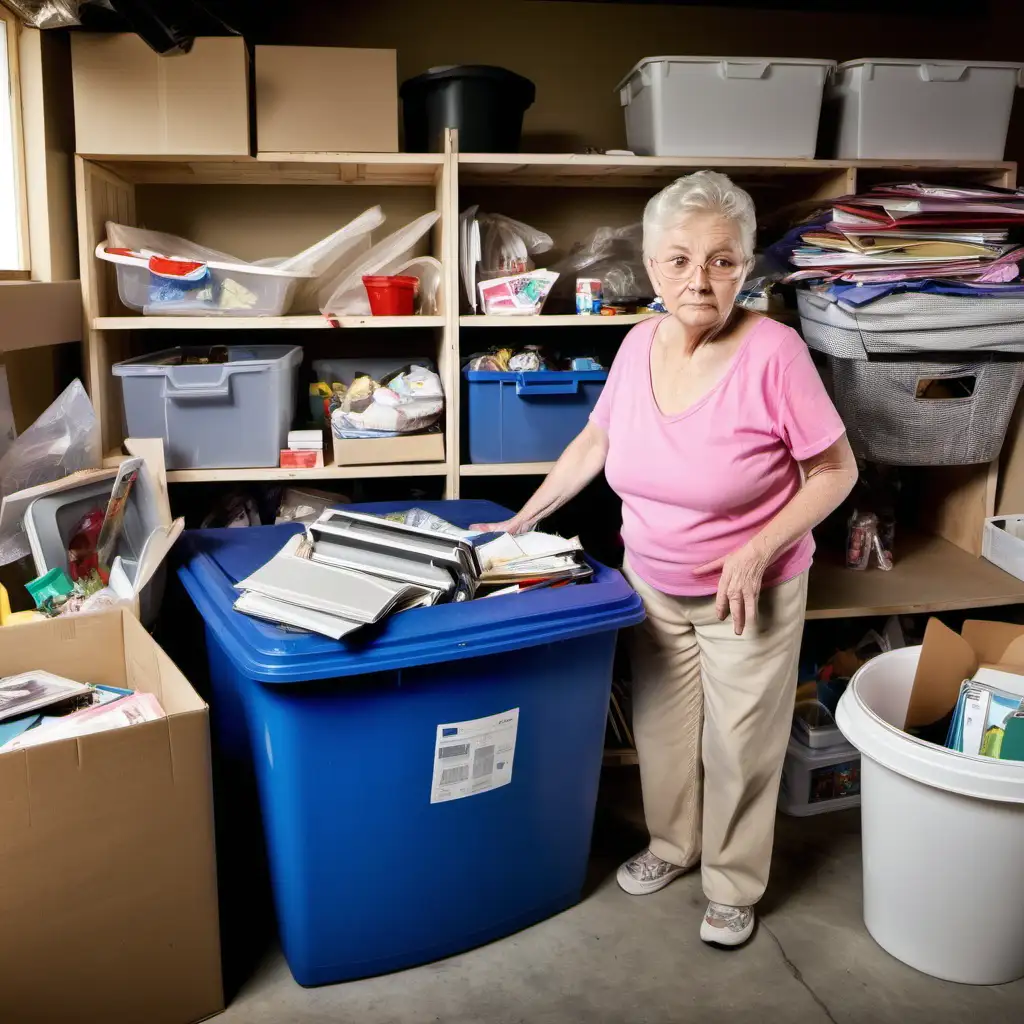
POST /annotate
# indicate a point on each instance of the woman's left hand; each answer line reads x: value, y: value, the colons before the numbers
x: 740, y: 584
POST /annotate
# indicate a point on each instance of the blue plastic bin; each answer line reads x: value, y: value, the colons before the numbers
x: 528, y: 417
x: 368, y: 874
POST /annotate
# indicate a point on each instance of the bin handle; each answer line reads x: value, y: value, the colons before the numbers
x: 942, y: 72
x: 538, y: 389
x: 184, y: 390
x: 733, y: 69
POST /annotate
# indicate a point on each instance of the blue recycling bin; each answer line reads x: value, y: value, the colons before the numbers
x: 429, y: 785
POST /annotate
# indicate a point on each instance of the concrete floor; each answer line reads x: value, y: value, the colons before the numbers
x: 616, y: 958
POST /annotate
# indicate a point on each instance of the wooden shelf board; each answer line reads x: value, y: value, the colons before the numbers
x: 508, y: 469
x: 248, y: 323
x: 278, y: 168
x: 929, y: 575
x: 624, y: 171
x: 559, y: 320
x: 271, y: 473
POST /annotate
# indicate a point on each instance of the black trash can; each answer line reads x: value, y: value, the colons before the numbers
x: 485, y: 103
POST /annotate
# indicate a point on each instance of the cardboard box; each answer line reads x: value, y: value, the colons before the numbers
x: 378, y: 451
x: 109, y: 899
x: 326, y: 99
x: 131, y: 101
x: 948, y: 658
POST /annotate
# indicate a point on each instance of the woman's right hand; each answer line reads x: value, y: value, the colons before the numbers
x: 515, y: 526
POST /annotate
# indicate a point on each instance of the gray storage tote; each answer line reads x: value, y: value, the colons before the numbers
x: 233, y: 414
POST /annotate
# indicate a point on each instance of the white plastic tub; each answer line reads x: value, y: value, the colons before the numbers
x: 1002, y: 543
x: 942, y: 838
x: 818, y: 780
x: 724, y: 106
x: 922, y: 109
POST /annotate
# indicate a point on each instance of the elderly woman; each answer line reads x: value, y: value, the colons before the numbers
x: 715, y: 430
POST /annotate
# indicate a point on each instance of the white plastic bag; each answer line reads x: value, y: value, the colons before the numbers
x: 404, y: 404
x: 349, y: 296
x: 65, y: 439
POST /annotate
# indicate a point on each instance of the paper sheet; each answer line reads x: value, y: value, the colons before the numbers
x: 473, y: 757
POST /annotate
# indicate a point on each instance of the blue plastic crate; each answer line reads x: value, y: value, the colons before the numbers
x: 528, y: 417
x: 368, y: 874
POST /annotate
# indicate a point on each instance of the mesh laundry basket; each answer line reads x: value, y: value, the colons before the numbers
x: 888, y: 420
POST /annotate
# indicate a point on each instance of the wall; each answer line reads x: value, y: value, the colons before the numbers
x: 576, y: 53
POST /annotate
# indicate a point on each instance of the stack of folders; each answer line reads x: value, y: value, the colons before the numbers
x: 988, y: 721
x: 349, y: 570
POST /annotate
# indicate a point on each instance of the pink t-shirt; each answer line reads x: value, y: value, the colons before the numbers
x: 697, y: 486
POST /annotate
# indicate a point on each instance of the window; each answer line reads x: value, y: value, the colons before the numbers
x: 13, y: 241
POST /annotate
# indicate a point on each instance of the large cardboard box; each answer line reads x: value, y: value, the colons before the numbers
x: 948, y: 658
x: 131, y: 101
x: 108, y: 898
x: 326, y: 99
x: 378, y: 451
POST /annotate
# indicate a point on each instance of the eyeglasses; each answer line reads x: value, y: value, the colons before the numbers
x: 718, y: 268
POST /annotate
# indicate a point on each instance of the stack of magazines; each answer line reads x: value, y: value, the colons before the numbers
x: 349, y: 570
x: 987, y: 721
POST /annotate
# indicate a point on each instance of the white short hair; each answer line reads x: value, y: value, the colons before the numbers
x: 701, y: 192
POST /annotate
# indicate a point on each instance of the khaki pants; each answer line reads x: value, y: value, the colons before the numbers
x: 704, y: 697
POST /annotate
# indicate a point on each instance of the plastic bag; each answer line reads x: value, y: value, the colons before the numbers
x: 427, y: 271
x: 47, y: 13
x: 493, y: 245
x: 348, y: 297
x: 410, y: 401
x: 64, y: 440
x: 615, y: 255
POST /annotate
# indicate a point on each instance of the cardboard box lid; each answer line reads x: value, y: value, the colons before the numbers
x: 107, y: 841
x: 948, y: 658
x: 130, y: 99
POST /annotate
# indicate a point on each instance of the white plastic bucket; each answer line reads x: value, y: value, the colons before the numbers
x: 942, y: 838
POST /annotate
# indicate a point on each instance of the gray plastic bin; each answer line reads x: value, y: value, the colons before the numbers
x: 217, y: 415
x: 50, y: 524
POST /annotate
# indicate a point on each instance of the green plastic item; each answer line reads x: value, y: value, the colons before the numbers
x: 1012, y: 748
x: 55, y: 583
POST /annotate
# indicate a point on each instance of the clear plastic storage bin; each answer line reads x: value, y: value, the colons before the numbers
x: 819, y: 780
x: 213, y: 415
x: 724, y: 106
x: 889, y: 108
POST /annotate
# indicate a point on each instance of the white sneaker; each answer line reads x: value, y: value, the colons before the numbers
x: 646, y: 873
x: 727, y: 926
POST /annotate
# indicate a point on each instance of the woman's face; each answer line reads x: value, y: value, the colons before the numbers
x: 698, y: 267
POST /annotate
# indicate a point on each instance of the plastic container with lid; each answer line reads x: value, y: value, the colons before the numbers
x: 485, y: 103
x: 891, y: 108
x: 372, y: 868
x: 724, y: 106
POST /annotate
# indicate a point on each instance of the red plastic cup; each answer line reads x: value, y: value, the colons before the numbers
x: 391, y: 296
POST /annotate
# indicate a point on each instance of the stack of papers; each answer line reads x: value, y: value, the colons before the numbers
x: 39, y: 707
x: 911, y: 231
x: 985, y: 715
x: 349, y: 570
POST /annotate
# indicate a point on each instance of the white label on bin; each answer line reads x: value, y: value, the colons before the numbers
x: 473, y: 757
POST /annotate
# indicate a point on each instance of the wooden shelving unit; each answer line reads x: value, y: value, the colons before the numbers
x: 568, y: 196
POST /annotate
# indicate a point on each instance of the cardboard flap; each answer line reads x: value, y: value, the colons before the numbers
x: 946, y: 660
x: 995, y: 643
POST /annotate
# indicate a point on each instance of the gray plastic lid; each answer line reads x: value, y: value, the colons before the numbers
x: 917, y: 62
x: 813, y: 61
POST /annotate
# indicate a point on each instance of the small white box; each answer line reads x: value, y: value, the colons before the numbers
x: 1002, y: 543
x: 815, y: 781
x: 724, y: 106
x: 891, y: 108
